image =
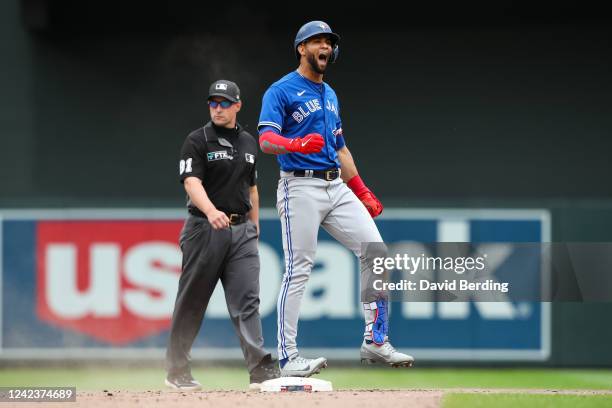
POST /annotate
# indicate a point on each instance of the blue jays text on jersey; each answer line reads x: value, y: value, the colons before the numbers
x: 294, y: 107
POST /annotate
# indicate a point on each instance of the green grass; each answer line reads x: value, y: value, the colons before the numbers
x: 525, y: 400
x: 90, y: 378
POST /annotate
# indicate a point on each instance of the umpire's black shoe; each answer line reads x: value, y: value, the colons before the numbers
x: 267, y: 369
x: 183, y: 382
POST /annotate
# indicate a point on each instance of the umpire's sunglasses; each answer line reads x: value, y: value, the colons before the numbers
x: 224, y: 104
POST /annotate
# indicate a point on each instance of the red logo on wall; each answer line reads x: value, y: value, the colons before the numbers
x: 115, y: 281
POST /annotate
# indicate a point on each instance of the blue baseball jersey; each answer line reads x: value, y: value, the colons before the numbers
x: 295, y: 106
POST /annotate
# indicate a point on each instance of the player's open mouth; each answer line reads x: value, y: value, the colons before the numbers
x: 323, y: 57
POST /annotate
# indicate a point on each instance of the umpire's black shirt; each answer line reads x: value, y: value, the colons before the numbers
x: 224, y: 159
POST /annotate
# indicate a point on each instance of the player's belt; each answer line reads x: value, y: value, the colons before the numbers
x: 234, y: 219
x: 328, y: 175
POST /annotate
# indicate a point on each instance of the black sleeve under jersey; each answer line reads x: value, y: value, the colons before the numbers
x: 193, y: 159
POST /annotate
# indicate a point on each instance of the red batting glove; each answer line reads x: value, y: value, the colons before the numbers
x: 311, y: 143
x: 367, y: 197
x: 372, y: 204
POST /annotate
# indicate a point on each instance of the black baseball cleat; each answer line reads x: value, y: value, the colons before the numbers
x: 267, y: 369
x: 183, y: 382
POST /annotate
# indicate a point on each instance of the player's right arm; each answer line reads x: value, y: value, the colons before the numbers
x: 270, y: 126
x: 199, y: 198
x: 273, y: 143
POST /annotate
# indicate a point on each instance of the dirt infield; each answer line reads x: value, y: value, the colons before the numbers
x: 227, y: 399
x: 230, y: 399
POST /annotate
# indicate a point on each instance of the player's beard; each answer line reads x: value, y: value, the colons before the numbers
x: 315, y: 65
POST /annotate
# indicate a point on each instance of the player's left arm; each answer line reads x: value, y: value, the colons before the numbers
x: 352, y: 179
x: 349, y: 169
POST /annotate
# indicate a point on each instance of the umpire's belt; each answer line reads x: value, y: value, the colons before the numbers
x: 328, y: 175
x: 234, y: 219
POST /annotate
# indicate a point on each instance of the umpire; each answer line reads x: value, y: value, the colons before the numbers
x: 219, y: 239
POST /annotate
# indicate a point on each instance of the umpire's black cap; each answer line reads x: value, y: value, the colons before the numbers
x: 226, y: 89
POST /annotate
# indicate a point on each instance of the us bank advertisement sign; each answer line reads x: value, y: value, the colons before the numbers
x: 102, y: 284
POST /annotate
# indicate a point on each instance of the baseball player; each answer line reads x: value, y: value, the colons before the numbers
x: 219, y: 239
x: 300, y: 123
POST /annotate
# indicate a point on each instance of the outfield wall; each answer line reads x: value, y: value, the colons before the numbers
x: 84, y: 284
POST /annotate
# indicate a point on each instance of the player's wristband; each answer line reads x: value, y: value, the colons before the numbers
x: 357, y: 185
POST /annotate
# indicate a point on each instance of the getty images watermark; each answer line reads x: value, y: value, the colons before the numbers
x: 458, y: 265
x: 488, y: 271
x: 447, y: 272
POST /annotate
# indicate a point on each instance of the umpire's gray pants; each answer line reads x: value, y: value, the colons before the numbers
x: 303, y: 205
x: 210, y: 255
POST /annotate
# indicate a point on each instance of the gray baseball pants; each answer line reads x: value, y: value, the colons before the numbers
x: 231, y: 256
x: 304, y: 204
